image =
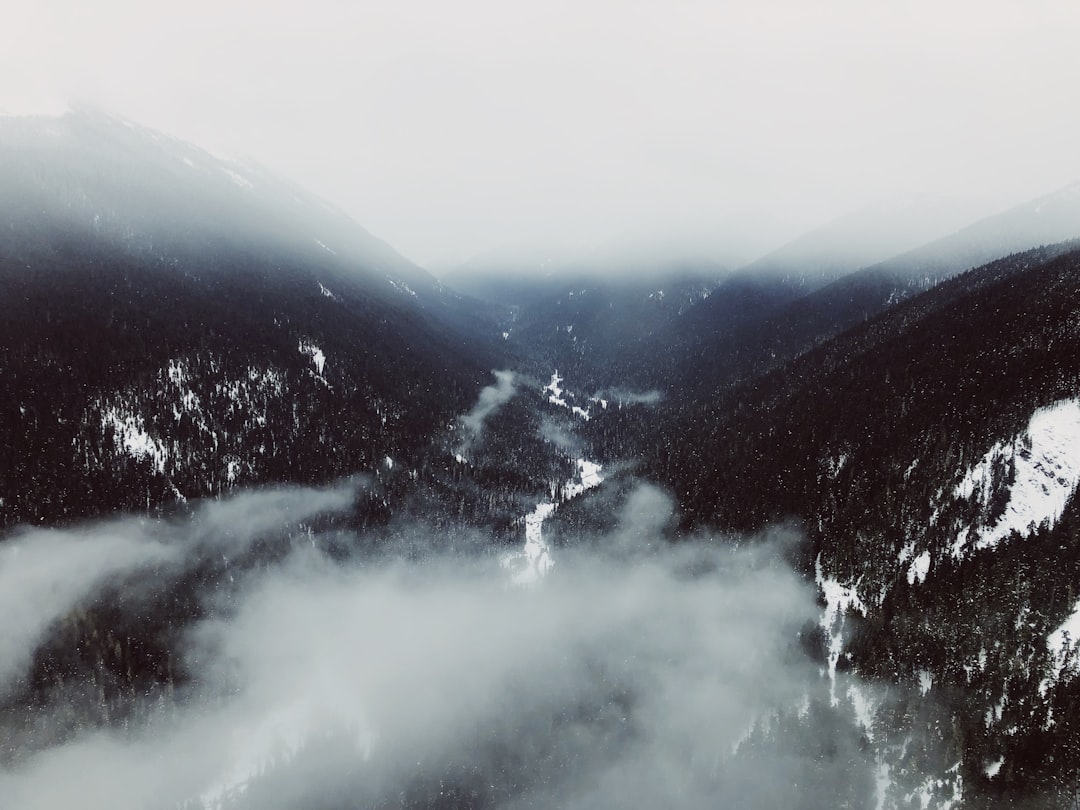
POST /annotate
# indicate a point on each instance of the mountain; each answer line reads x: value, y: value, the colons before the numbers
x: 864, y: 237
x: 930, y: 456
x: 619, y: 321
x: 178, y: 325
x: 593, y: 329
x: 708, y: 345
x: 275, y: 535
x: 748, y: 345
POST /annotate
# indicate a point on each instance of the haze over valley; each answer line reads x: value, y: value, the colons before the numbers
x: 697, y: 424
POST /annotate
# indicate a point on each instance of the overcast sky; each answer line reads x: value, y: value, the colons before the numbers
x: 451, y: 129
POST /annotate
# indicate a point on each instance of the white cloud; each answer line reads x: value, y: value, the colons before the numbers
x: 631, y: 673
x: 451, y: 128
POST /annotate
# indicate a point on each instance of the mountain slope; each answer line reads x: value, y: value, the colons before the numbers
x: 756, y: 346
x: 174, y: 328
x: 712, y: 342
x: 928, y: 454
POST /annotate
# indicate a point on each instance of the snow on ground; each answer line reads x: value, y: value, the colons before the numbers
x: 1046, y: 459
x: 132, y: 437
x: 920, y: 567
x: 532, y: 563
x: 326, y: 291
x: 834, y: 464
x: 402, y: 287
x: 309, y: 348
x: 324, y: 246
x: 1059, y: 643
x: 556, y: 391
x: 838, y: 600
x: 557, y: 395
x: 994, y: 767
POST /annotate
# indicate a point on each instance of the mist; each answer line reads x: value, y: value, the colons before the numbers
x: 46, y: 573
x: 627, y: 678
x: 491, y: 397
x: 489, y: 125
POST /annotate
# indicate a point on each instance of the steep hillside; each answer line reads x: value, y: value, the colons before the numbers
x: 863, y: 237
x: 753, y: 346
x: 735, y: 331
x: 598, y: 330
x: 176, y: 325
x: 930, y: 455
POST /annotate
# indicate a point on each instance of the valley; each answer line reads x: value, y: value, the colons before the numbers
x: 288, y: 522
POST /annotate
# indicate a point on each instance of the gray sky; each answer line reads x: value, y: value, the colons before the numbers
x: 452, y: 129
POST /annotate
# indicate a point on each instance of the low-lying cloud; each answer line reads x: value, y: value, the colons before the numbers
x: 621, y: 680
x: 491, y: 398
x: 46, y: 573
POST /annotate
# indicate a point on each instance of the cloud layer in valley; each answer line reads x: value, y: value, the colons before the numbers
x: 628, y: 677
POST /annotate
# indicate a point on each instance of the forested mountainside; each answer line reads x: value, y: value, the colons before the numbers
x: 174, y: 328
x: 680, y: 323
x: 752, y: 325
x: 596, y: 330
x: 362, y: 541
x: 930, y: 455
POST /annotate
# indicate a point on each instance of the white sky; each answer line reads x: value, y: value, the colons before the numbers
x: 450, y: 129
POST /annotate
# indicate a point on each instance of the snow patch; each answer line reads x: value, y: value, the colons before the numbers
x: 402, y: 287
x: 1046, y: 465
x: 132, y: 438
x: 556, y: 390
x: 309, y: 348
x: 919, y: 568
x: 238, y: 178
x: 556, y: 396
x: 838, y: 600
x: 534, y: 561
x: 931, y: 789
x: 1060, y: 643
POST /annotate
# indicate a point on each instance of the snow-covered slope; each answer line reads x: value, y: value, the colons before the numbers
x: 1034, y: 475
